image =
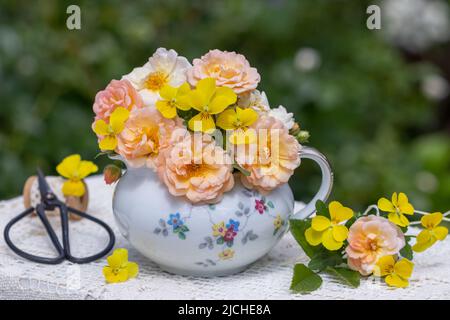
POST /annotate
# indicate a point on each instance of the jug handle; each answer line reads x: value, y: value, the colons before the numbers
x: 325, y: 186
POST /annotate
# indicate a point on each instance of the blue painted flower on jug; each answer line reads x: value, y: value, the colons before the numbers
x: 178, y: 226
x: 233, y: 224
x: 175, y: 220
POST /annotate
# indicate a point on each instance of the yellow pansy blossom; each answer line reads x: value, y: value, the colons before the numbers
x: 397, y: 208
x: 173, y: 99
x: 75, y: 170
x: 209, y: 100
x: 119, y: 269
x: 109, y: 131
x: 432, y: 232
x: 330, y: 232
x: 238, y: 120
x: 396, y: 273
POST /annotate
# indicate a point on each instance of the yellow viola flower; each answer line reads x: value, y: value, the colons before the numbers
x: 397, y: 208
x: 331, y: 233
x: 238, y: 120
x: 432, y: 232
x: 209, y: 100
x: 109, y: 131
x: 219, y: 229
x: 173, y: 99
x: 396, y: 273
x: 75, y: 170
x: 119, y: 269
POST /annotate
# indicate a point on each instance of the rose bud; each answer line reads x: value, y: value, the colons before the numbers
x: 303, y: 136
x: 111, y: 173
x: 295, y: 129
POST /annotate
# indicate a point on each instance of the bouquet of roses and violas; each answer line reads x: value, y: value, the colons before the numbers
x: 193, y: 124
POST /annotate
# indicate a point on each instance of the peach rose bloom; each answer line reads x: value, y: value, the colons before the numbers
x: 199, y: 170
x: 228, y: 68
x: 145, y: 135
x: 272, y: 160
x: 118, y: 93
x: 370, y: 238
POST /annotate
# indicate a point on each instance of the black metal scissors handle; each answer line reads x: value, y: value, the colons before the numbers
x: 50, y: 202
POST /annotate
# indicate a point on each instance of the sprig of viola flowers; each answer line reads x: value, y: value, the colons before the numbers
x: 351, y: 245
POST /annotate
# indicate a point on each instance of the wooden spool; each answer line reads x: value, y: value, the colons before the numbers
x: 31, y: 195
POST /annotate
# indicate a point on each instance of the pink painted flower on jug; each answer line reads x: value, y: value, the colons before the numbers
x: 197, y: 169
x: 260, y: 206
x: 118, y: 93
x: 272, y: 159
x: 370, y: 238
x: 228, y: 68
x: 145, y: 135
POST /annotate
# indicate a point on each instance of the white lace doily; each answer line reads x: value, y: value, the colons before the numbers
x: 269, y: 278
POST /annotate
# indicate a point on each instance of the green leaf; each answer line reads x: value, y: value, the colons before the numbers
x: 407, y: 252
x: 298, y: 228
x: 220, y: 240
x: 323, y: 259
x: 270, y: 204
x: 350, y: 277
x: 322, y: 209
x: 181, y: 235
x: 305, y: 280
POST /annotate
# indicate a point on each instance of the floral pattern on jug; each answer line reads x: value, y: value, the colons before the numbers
x: 224, y: 234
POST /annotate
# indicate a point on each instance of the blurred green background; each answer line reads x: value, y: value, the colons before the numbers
x: 375, y: 101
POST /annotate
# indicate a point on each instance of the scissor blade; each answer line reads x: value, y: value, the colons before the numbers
x: 44, y: 188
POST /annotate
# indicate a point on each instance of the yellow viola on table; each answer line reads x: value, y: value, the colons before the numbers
x: 396, y: 208
x: 330, y: 231
x: 119, y: 269
x: 432, y: 232
x: 75, y: 170
x: 396, y: 273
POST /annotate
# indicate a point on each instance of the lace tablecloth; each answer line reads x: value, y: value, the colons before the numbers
x: 269, y: 278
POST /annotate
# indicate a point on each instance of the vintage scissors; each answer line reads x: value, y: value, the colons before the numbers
x: 49, y: 201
